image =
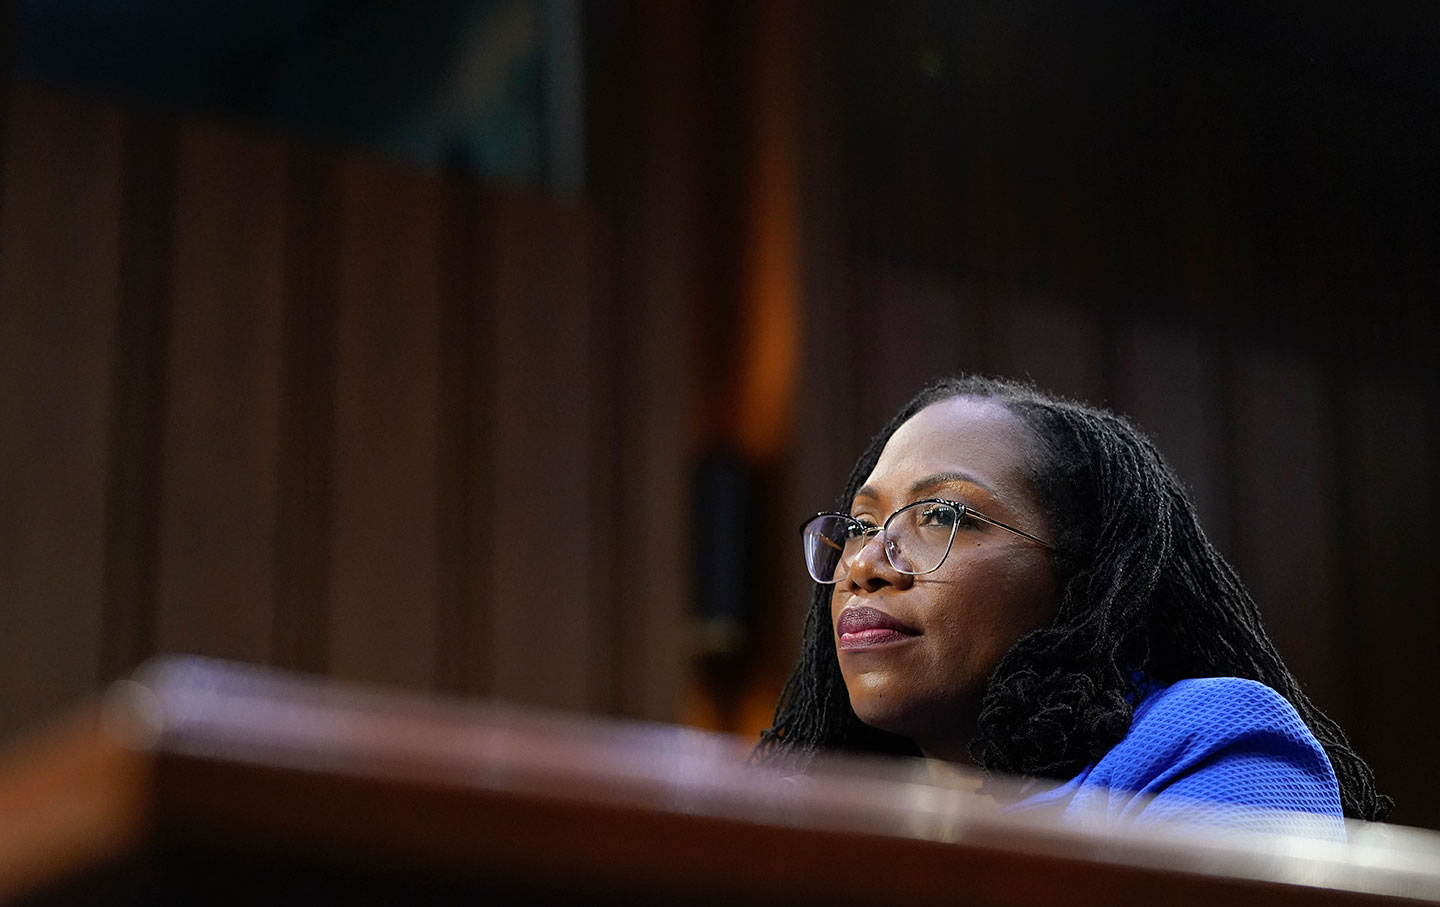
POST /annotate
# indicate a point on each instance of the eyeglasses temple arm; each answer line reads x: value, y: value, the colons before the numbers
x: 1020, y: 532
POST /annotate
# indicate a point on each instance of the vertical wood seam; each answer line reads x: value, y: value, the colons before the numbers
x: 479, y: 432
x: 1358, y: 690
x: 454, y: 515
x: 305, y: 472
x: 148, y: 186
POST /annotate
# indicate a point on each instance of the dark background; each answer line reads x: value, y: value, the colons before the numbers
x: 406, y: 345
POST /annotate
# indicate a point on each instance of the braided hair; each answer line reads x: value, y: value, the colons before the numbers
x: 1145, y: 595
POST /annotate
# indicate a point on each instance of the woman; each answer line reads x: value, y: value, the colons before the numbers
x: 1020, y: 582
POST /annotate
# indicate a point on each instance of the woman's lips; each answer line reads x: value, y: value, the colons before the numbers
x: 866, y: 627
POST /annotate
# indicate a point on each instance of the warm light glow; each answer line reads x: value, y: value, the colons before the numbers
x: 771, y: 331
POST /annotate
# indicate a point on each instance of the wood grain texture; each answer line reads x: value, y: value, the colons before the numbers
x: 659, y: 275
x: 1054, y: 342
x: 1289, y: 538
x: 1169, y: 382
x: 916, y: 325
x: 548, y: 542
x: 256, y: 787
x: 1389, y: 452
x: 59, y: 258
x: 139, y: 391
x: 216, y: 580
x: 385, y: 519
x: 464, y: 413
x: 305, y: 472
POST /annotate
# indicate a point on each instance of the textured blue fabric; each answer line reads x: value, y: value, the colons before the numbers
x: 1212, y: 751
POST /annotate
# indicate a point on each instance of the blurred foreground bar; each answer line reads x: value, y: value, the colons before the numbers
x: 212, y: 782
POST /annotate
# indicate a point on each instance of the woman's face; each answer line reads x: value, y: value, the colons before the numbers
x: 924, y: 682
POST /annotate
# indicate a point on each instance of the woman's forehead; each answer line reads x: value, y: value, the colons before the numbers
x: 961, y: 436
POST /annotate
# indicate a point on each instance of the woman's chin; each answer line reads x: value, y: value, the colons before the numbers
x: 888, y: 716
x: 935, y: 730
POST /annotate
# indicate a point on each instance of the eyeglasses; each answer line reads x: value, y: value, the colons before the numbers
x: 917, y: 538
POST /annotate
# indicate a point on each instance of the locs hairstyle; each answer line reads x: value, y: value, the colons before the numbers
x: 1144, y: 594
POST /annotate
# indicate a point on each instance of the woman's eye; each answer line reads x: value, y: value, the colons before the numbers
x: 942, y: 517
x: 859, y: 529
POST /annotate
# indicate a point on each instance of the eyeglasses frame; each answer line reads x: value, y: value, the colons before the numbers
x: 961, y: 511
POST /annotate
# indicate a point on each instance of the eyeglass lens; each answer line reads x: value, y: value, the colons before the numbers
x: 917, y: 538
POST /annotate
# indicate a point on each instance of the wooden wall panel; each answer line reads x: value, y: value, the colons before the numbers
x: 1389, y: 496
x: 465, y: 415
x: 830, y: 344
x: 914, y: 331
x: 658, y: 203
x: 1059, y: 345
x: 549, y: 546
x: 1287, y: 526
x: 305, y: 471
x: 218, y: 496
x: 383, y: 582
x: 1169, y: 381
x: 59, y: 259
x: 475, y: 474
x: 139, y: 391
x: 652, y: 482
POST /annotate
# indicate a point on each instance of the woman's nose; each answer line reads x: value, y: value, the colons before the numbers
x: 871, y: 570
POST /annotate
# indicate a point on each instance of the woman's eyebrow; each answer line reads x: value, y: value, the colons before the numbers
x: 929, y: 482
x: 946, y: 478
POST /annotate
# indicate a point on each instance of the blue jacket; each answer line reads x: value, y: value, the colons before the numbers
x: 1213, y: 751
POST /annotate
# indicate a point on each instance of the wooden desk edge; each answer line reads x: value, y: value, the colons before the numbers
x: 74, y: 794
x: 258, y: 759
